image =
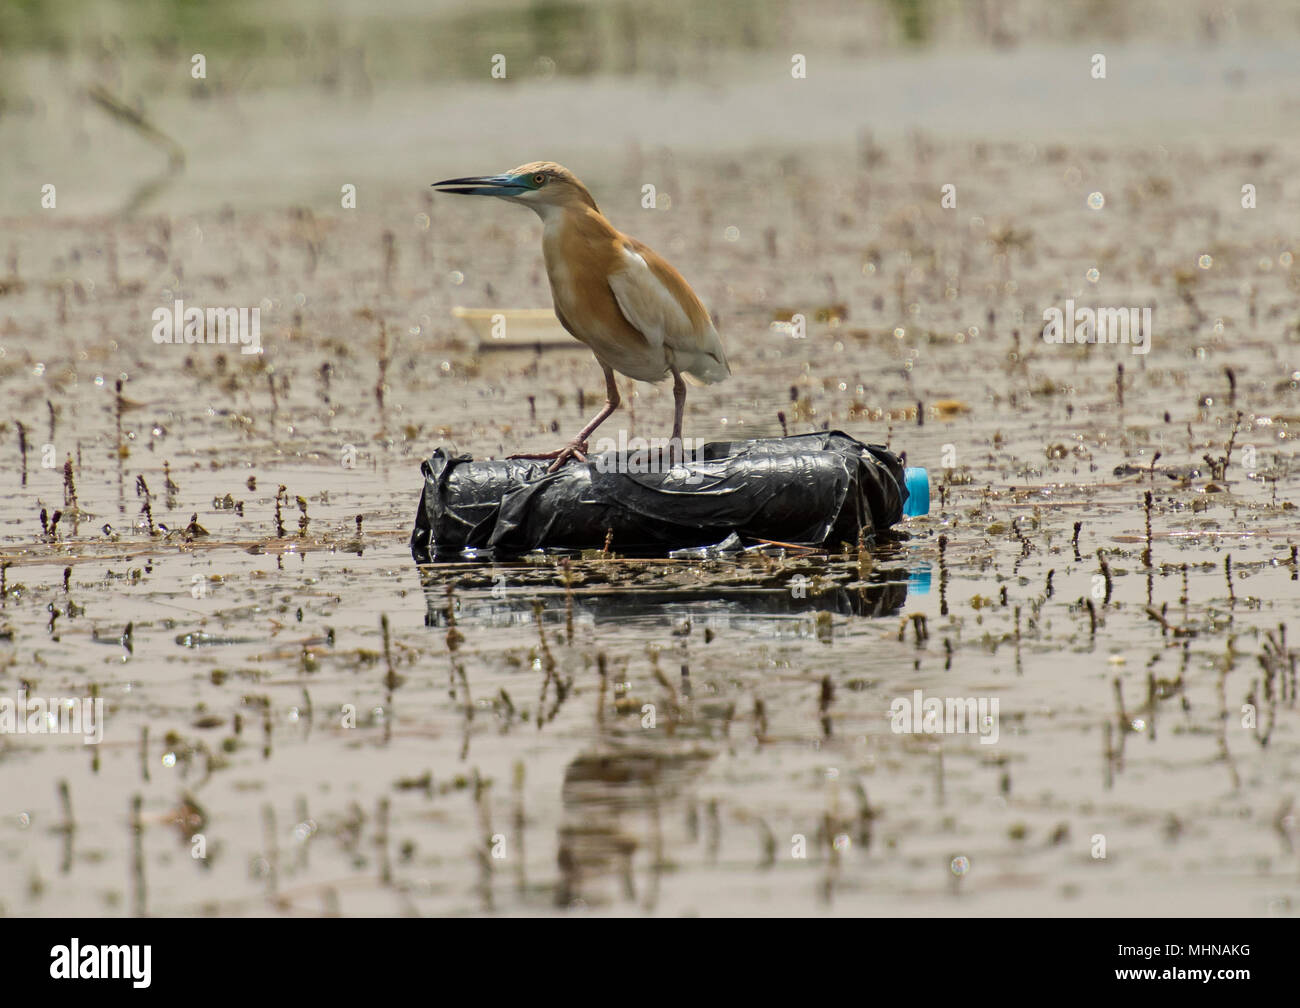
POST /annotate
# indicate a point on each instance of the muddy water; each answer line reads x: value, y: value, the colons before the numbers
x: 255, y: 713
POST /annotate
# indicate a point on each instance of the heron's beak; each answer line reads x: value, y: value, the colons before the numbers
x: 482, y: 185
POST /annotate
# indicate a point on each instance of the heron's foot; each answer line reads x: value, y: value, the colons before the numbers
x: 574, y: 449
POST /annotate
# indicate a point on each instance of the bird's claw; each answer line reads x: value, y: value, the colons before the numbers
x: 573, y: 450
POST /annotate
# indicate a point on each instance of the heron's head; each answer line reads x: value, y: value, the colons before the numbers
x: 540, y: 185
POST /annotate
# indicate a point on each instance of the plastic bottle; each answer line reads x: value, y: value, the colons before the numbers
x: 918, y: 491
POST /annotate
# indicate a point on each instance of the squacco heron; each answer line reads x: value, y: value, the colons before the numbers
x: 611, y: 292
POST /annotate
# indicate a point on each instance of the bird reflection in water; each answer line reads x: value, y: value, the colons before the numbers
x: 618, y: 804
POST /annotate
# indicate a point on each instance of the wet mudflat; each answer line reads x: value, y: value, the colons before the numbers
x: 339, y: 732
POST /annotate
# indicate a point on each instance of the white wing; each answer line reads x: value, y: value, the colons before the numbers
x: 658, y: 315
x: 647, y: 303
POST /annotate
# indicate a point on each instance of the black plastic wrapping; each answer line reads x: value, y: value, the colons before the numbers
x: 807, y: 490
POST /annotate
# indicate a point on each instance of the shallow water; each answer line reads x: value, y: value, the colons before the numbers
x: 225, y: 717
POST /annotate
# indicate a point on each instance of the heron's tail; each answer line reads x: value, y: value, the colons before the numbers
x: 707, y: 365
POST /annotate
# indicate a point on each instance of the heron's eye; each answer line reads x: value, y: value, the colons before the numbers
x: 539, y: 180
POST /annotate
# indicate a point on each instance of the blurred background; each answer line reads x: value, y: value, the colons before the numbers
x: 300, y: 94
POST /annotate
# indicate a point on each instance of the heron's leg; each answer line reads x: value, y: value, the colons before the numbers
x: 611, y: 404
x: 577, y: 448
x: 675, y: 446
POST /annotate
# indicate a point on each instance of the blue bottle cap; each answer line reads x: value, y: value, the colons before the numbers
x: 918, y: 491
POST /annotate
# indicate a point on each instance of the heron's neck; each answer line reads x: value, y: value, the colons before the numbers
x: 558, y: 219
